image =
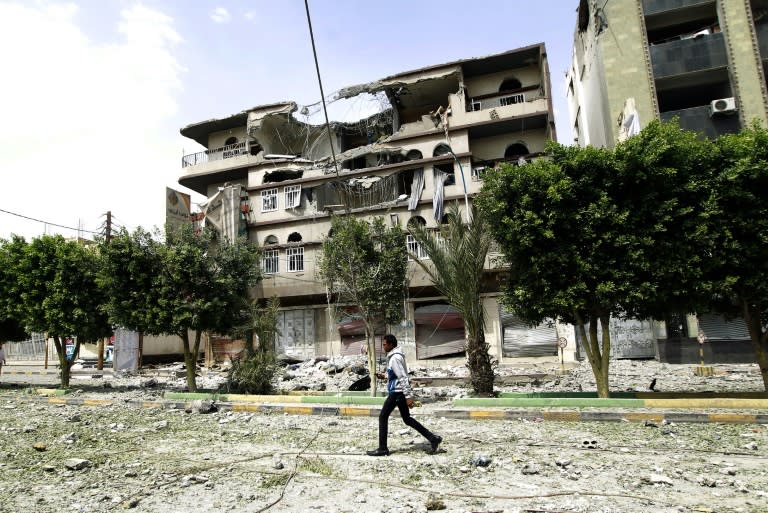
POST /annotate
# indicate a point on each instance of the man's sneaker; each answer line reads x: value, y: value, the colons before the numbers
x: 435, y: 443
x: 378, y: 452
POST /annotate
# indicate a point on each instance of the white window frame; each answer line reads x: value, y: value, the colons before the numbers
x: 271, y: 261
x: 269, y: 200
x: 414, y: 247
x: 476, y: 105
x: 295, y: 259
x: 292, y: 195
x: 477, y: 173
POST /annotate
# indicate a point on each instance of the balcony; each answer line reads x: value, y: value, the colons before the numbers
x: 762, y: 39
x: 698, y: 119
x: 700, y: 53
x: 214, y: 154
x: 652, y: 7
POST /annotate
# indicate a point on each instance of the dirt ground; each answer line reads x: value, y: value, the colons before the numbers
x: 60, y: 458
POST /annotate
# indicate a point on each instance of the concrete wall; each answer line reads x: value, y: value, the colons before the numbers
x: 746, y: 67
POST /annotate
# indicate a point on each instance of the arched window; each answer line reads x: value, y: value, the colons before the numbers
x: 510, y: 84
x: 270, y: 240
x: 441, y: 149
x: 516, y: 150
x: 413, y: 155
x: 294, y: 237
x: 416, y: 221
x: 230, y: 140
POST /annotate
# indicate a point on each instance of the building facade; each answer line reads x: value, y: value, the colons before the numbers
x: 435, y: 131
x: 701, y: 61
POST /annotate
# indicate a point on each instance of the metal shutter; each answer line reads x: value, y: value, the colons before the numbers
x: 522, y: 340
x: 716, y: 327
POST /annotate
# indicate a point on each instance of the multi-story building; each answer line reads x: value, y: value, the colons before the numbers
x: 436, y: 131
x: 701, y: 61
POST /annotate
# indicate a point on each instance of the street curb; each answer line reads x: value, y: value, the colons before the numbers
x: 533, y: 415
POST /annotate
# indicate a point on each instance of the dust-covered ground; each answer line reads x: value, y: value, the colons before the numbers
x: 60, y: 458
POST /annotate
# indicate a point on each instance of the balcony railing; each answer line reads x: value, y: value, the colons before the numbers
x: 496, y: 101
x: 700, y: 119
x: 651, y: 7
x: 682, y: 56
x: 224, y: 152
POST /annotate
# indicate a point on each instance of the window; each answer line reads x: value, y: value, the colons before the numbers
x: 478, y: 172
x: 511, y: 100
x: 295, y: 259
x: 476, y: 105
x: 268, y: 200
x: 414, y: 248
x: 292, y: 196
x: 271, y: 261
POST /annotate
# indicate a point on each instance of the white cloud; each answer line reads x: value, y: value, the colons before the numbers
x: 250, y: 15
x: 86, y: 127
x: 220, y: 15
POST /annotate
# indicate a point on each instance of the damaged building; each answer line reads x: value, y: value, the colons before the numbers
x: 703, y: 62
x: 429, y: 141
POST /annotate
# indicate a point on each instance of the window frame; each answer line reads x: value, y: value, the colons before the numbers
x: 271, y: 196
x: 295, y: 257
x: 292, y: 196
x: 271, y: 256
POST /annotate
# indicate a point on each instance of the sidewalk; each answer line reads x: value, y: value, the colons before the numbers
x: 685, y: 410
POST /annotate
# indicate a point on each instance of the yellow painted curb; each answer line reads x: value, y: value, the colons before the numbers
x: 487, y: 414
x: 732, y: 418
x: 300, y: 410
x: 746, y: 404
x: 357, y: 412
x: 563, y: 416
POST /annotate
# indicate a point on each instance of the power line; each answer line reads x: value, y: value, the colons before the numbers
x: 49, y: 223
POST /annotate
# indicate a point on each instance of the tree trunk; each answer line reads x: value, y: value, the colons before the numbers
x: 479, y: 363
x: 598, y: 358
x: 64, y: 364
x: 190, y: 360
x: 370, y: 344
x: 758, y: 337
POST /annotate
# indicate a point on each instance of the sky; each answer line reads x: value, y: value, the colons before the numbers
x: 94, y: 92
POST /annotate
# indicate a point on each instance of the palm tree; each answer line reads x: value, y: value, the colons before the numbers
x: 456, y: 266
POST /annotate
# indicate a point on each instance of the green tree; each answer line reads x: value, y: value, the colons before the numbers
x: 11, y: 252
x: 364, y: 264
x: 59, y: 294
x: 130, y: 274
x: 738, y: 220
x: 456, y: 267
x: 201, y: 288
x: 189, y: 283
x: 592, y: 233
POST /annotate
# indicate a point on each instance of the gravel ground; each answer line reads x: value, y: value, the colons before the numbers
x: 60, y: 458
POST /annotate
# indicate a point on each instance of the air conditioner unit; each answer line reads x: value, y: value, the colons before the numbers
x: 722, y: 106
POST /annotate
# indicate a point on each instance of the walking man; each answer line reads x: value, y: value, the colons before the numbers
x: 400, y: 395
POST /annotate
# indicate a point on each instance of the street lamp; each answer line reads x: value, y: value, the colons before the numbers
x: 463, y: 182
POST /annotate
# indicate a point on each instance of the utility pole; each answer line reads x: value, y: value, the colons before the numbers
x: 102, y: 342
x: 108, y: 227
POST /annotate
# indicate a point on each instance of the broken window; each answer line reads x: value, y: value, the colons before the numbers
x: 414, y: 248
x: 442, y: 149
x: 294, y: 237
x: 450, y: 178
x: 516, y: 150
x: 292, y: 196
x: 269, y: 200
x: 413, y: 155
x: 510, y: 84
x: 282, y: 175
x: 295, y: 259
x: 271, y: 262
x: 270, y: 239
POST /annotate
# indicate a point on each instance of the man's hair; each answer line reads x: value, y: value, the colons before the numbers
x: 391, y: 339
